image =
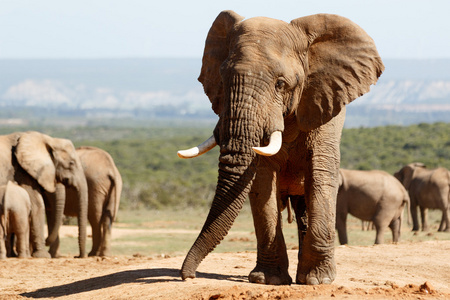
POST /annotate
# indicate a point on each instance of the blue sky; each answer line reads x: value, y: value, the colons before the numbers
x: 163, y: 28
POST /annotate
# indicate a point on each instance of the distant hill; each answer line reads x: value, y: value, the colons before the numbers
x: 409, y: 91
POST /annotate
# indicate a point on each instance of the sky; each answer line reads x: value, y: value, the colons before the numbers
x: 90, y: 29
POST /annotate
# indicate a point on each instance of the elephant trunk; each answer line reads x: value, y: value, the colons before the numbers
x: 230, y: 195
x: 60, y: 201
x: 237, y: 168
x: 82, y: 196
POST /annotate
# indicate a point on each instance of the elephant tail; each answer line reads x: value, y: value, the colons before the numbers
x: 115, y: 192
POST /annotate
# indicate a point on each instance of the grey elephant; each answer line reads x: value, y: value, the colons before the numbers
x: 38, y: 162
x: 15, y: 214
x: 279, y: 90
x: 104, y: 189
x: 374, y: 196
x: 428, y: 188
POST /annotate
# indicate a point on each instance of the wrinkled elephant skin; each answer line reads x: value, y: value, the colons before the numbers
x: 265, y: 76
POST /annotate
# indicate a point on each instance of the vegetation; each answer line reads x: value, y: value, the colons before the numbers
x: 155, y: 178
x: 165, y: 233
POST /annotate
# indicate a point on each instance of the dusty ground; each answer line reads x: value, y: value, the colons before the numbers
x: 403, y: 271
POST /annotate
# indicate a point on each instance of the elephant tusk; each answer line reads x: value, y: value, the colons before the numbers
x: 274, y: 145
x: 199, y: 150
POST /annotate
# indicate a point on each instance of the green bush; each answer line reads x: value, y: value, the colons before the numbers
x: 155, y: 178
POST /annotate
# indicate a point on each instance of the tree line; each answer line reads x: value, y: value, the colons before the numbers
x: 155, y: 178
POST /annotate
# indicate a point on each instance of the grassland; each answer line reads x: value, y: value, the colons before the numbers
x: 162, y: 233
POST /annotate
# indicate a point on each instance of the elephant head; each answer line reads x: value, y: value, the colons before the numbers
x: 406, y: 174
x: 52, y: 162
x: 268, y: 80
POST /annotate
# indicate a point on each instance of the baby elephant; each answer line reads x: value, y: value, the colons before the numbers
x: 370, y: 196
x: 15, y: 209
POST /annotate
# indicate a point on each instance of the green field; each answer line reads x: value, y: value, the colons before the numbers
x: 162, y: 233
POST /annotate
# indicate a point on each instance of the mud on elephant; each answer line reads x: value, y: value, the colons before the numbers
x: 279, y: 90
x: 428, y: 188
x: 38, y: 162
x: 104, y: 188
x: 374, y: 196
x: 15, y: 214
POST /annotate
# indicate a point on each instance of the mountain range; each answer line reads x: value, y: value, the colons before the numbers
x: 409, y: 91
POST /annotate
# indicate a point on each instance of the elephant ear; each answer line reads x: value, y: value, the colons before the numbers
x: 215, y: 53
x: 342, y: 64
x: 33, y: 153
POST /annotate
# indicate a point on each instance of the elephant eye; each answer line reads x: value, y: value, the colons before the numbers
x: 280, y: 85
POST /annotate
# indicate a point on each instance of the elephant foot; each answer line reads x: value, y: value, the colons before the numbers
x: 316, y: 271
x: 100, y: 253
x: 41, y: 254
x: 273, y: 276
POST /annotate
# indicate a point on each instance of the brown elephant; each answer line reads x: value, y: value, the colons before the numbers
x: 15, y: 213
x: 279, y: 90
x: 428, y: 188
x: 104, y: 189
x: 37, y: 162
x: 374, y: 196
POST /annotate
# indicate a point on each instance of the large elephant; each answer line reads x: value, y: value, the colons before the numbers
x: 15, y: 213
x: 374, y: 196
x: 104, y: 188
x: 279, y: 90
x: 38, y: 162
x: 428, y: 188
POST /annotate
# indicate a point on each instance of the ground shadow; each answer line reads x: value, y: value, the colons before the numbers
x: 131, y: 276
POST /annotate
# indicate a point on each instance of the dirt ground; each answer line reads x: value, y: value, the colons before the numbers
x: 403, y: 271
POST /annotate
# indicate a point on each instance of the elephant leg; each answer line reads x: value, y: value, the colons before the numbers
x: 22, y: 236
x: 37, y: 224
x: 95, y: 218
x: 424, y: 216
x: 10, y: 242
x: 395, y: 227
x: 272, y: 261
x: 53, y: 249
x: 106, y: 227
x: 414, y: 216
x: 341, y: 226
x: 444, y: 225
x: 299, y: 207
x: 2, y: 247
x: 382, y: 220
x: 22, y: 245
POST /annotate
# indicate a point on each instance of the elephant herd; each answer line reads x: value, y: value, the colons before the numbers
x: 280, y: 91
x: 44, y: 178
x: 378, y: 197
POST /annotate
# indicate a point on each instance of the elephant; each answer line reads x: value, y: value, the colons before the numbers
x: 38, y: 163
x: 375, y: 196
x: 427, y: 188
x: 280, y: 91
x: 104, y: 188
x: 15, y: 213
